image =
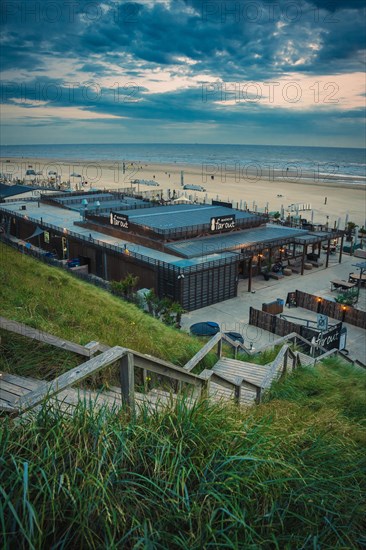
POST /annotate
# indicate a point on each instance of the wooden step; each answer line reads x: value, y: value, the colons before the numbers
x: 219, y: 393
x: 232, y: 369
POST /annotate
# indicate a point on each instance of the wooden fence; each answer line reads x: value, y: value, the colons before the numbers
x: 348, y: 314
x: 282, y: 327
x: 271, y: 323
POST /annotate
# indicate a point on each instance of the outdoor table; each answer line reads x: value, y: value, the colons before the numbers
x: 355, y: 278
x: 344, y: 285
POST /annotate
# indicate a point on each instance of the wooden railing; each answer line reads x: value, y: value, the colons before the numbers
x: 50, y: 389
x: 35, y: 334
x: 217, y: 339
x: 127, y: 359
x: 281, y: 359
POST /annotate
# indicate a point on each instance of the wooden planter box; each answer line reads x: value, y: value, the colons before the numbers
x: 272, y: 307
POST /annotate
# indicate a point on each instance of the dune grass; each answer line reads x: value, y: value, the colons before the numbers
x: 50, y: 299
x: 213, y: 476
x: 24, y: 357
x: 333, y: 386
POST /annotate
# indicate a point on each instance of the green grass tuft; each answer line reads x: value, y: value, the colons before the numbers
x: 208, y: 477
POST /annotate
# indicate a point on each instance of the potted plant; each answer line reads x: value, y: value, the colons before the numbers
x: 348, y: 298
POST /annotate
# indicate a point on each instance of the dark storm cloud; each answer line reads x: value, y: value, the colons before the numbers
x: 225, y: 37
x: 231, y: 40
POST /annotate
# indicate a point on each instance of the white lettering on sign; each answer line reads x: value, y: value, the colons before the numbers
x: 119, y: 220
x: 326, y: 341
x: 223, y: 223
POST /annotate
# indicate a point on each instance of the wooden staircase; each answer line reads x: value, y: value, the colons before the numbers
x: 228, y: 379
x: 234, y: 370
x: 13, y: 387
x: 253, y: 379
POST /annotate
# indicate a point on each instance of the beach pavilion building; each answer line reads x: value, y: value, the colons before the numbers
x: 194, y: 254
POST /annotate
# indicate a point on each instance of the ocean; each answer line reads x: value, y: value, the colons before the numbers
x: 333, y: 163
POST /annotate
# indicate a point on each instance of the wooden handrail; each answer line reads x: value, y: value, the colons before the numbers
x: 46, y: 338
x: 235, y: 344
x: 360, y: 364
x: 49, y: 389
x: 164, y: 368
x: 202, y: 352
x: 280, y: 357
x: 328, y: 353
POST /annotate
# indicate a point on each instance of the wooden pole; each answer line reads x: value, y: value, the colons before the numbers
x: 219, y: 348
x: 126, y: 376
x: 250, y: 265
x: 258, y: 396
x: 328, y: 253
x: 341, y: 250
x: 237, y: 393
x: 284, y: 370
x: 303, y: 259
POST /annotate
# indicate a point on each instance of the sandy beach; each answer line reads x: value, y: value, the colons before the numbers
x: 330, y: 199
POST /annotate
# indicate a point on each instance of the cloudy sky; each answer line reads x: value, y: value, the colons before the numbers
x: 183, y: 71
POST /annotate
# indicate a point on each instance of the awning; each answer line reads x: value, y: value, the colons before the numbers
x: 38, y: 231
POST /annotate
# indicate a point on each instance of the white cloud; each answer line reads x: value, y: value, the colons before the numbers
x: 14, y: 112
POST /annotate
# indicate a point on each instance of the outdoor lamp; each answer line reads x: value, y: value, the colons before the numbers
x: 84, y: 202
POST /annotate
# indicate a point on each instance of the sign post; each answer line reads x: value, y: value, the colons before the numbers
x: 321, y: 322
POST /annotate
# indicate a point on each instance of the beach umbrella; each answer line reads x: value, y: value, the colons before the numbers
x: 356, y: 235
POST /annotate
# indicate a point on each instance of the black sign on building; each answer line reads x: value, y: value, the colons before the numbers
x: 222, y: 223
x: 119, y: 220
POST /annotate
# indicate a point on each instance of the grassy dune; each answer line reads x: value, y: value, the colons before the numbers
x: 288, y: 474
x: 49, y: 299
x: 277, y: 476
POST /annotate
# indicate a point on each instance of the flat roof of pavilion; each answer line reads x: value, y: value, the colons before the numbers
x: 250, y: 239
x: 175, y: 216
x: 183, y: 253
x: 53, y: 217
